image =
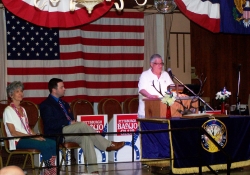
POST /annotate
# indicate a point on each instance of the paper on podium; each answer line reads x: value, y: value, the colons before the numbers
x: 194, y: 116
x: 204, y: 115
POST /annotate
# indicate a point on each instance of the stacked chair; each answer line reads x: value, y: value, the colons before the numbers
x: 125, y: 105
x: 111, y: 107
x: 133, y: 105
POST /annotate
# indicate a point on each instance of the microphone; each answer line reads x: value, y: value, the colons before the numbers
x: 170, y: 73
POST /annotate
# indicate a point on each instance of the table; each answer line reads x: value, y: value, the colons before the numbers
x: 185, y: 146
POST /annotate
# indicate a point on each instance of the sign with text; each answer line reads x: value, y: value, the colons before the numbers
x: 96, y: 122
x: 122, y: 123
x: 126, y: 123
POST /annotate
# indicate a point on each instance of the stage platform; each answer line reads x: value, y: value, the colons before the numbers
x: 136, y: 168
x: 153, y: 167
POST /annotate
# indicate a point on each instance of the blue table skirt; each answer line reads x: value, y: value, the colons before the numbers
x: 155, y: 146
x: 187, y: 145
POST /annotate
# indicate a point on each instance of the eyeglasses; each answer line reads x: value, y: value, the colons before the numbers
x: 159, y: 64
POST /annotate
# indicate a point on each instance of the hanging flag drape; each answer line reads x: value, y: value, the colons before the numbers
x: 102, y: 59
x: 225, y: 16
x: 55, y: 16
x: 205, y: 13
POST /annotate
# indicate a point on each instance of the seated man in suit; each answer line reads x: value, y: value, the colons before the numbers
x: 58, y: 119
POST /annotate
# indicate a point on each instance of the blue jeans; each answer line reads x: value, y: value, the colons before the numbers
x: 47, y: 147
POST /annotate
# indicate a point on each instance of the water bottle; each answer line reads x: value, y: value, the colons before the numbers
x: 205, y: 109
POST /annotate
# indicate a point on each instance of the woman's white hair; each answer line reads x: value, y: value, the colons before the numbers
x: 14, y: 86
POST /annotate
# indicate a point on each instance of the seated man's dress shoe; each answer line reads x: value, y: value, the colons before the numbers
x: 115, y: 146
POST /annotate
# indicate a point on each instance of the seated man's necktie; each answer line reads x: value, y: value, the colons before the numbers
x: 64, y: 110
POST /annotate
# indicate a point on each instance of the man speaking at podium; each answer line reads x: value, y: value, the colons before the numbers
x: 152, y: 82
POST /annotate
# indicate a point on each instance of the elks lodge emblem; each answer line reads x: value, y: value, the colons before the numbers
x: 241, y: 12
x: 218, y: 131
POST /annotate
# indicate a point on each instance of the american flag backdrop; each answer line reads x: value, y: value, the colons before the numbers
x: 103, y: 59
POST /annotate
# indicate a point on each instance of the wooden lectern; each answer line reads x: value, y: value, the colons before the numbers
x: 154, y: 108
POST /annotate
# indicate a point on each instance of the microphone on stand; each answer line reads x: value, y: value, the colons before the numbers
x: 238, y: 91
x: 237, y: 110
x: 246, y: 112
x: 174, y: 77
x: 239, y: 66
x: 170, y: 73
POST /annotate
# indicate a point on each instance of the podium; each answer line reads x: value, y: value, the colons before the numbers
x: 154, y: 108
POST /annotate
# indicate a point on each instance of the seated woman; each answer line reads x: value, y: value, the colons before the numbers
x: 17, y: 124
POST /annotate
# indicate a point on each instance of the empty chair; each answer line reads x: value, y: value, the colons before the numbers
x: 32, y: 112
x: 40, y: 125
x: 1, y: 159
x: 5, y: 102
x: 125, y: 105
x: 72, y: 104
x: 133, y: 105
x: 100, y: 104
x: 3, y: 105
x: 111, y: 107
x: 82, y: 107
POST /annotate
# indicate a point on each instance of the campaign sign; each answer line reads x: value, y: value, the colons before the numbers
x: 100, y: 124
x: 68, y: 157
x: 38, y: 158
x: 123, y: 123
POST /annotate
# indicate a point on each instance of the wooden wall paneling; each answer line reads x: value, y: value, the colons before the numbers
x: 187, y: 59
x: 218, y: 57
x: 180, y: 53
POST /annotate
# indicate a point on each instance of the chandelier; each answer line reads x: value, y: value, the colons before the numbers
x: 165, y: 6
x: 89, y: 4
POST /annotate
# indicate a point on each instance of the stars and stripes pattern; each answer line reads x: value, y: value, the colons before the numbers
x: 103, y: 59
x: 26, y: 41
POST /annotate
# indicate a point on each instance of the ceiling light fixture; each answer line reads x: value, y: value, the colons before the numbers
x: 165, y: 6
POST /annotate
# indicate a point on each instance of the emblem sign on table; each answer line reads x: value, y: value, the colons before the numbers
x: 123, y: 123
x: 217, y: 131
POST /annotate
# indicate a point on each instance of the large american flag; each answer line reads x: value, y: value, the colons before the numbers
x: 98, y: 60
